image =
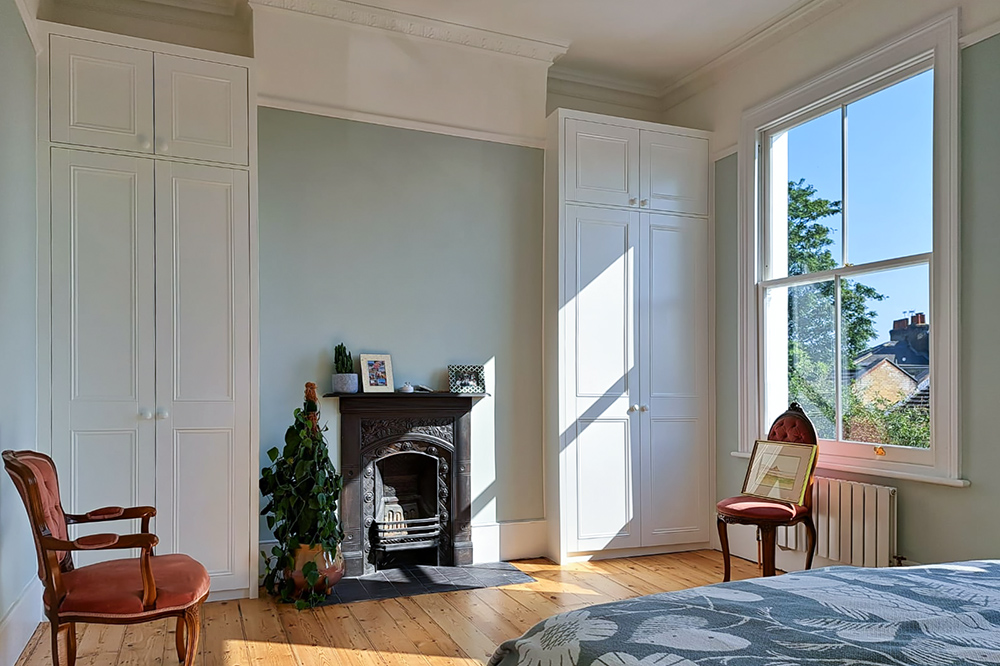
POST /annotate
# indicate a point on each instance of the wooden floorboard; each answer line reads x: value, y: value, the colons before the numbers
x: 449, y: 629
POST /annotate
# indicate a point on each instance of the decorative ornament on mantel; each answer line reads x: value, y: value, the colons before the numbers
x: 345, y: 380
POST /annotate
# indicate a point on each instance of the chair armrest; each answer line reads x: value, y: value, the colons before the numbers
x: 111, y: 513
x: 144, y: 541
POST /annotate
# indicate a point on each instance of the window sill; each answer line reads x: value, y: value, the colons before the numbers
x: 887, y: 474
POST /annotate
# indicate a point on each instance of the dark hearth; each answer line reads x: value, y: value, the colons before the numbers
x: 407, y: 485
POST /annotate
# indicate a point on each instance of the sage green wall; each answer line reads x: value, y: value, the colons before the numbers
x: 936, y: 523
x: 17, y: 303
x: 423, y: 246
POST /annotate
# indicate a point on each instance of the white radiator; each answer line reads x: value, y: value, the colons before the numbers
x: 855, y: 523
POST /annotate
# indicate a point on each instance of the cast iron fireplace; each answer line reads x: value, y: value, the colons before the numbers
x: 407, y: 482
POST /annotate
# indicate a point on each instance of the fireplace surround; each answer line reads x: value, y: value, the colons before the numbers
x: 406, y: 461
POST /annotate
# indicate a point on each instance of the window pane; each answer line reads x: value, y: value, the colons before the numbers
x: 806, y: 221
x: 890, y: 171
x: 800, y: 353
x: 885, y: 342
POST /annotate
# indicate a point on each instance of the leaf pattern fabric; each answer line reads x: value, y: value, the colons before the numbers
x: 937, y: 615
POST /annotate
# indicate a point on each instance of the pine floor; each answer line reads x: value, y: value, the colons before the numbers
x: 449, y: 629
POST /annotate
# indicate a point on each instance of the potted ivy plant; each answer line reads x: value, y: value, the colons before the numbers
x: 345, y: 380
x: 301, y: 489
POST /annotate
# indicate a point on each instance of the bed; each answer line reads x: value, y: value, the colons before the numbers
x: 929, y: 615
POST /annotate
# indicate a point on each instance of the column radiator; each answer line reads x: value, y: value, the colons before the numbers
x: 855, y: 523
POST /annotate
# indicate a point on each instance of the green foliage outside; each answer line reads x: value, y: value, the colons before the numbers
x: 302, y: 488
x: 811, y: 335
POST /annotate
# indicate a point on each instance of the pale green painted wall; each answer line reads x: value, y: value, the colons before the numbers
x: 936, y: 523
x: 424, y: 246
x: 17, y: 294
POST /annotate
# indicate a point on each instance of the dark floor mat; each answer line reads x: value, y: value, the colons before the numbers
x: 411, y: 580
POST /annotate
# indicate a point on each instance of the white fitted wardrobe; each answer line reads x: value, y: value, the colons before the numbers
x: 628, y: 457
x: 149, y: 258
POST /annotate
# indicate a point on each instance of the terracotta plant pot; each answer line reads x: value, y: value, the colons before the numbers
x: 331, y: 569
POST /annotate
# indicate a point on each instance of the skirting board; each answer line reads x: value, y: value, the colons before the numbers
x: 502, y: 542
x: 20, y: 622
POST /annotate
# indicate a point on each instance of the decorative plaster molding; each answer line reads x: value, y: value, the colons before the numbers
x: 799, y: 16
x: 417, y: 26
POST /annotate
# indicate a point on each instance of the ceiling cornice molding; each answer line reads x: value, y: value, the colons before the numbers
x: 618, y: 84
x: 418, y: 26
x: 796, y: 18
x: 597, y: 90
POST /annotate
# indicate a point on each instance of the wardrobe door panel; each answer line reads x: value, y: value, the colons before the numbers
x: 201, y: 110
x: 674, y: 173
x: 101, y: 95
x: 602, y: 163
x: 203, y: 352
x: 102, y: 333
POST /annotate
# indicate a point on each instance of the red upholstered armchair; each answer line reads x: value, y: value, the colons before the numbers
x: 126, y: 591
x: 768, y: 515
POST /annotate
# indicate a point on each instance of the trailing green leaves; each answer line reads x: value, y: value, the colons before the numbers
x: 301, y: 489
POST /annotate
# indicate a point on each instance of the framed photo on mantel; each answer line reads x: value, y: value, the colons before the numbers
x: 376, y: 373
x: 467, y: 378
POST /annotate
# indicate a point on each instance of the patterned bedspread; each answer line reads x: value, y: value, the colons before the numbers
x: 930, y: 615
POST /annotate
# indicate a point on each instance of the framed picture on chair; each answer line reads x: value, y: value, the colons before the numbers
x: 779, y: 470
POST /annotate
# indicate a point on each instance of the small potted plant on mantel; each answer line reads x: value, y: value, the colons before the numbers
x: 302, y: 488
x: 345, y: 380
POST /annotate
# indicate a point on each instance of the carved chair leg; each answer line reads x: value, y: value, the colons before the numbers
x: 724, y: 542
x: 192, y: 620
x: 62, y: 646
x: 71, y: 644
x: 810, y: 541
x: 768, y: 541
x: 179, y: 639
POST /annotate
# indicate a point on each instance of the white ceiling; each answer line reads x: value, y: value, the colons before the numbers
x: 645, y: 43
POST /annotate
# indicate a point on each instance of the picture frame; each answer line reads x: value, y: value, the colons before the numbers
x: 779, y: 470
x: 376, y: 373
x: 467, y: 378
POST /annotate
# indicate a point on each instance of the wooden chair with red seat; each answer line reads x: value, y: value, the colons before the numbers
x: 127, y: 591
x: 767, y: 514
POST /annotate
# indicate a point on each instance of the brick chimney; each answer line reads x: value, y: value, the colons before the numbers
x: 915, y: 331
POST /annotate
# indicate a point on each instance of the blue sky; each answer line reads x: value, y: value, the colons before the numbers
x: 889, y: 186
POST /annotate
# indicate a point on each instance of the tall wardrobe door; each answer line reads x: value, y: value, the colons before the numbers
x: 601, y: 438
x: 102, y: 334
x: 202, y: 368
x: 673, y: 323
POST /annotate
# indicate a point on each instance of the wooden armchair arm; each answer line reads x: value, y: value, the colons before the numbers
x: 114, y: 513
x: 145, y: 541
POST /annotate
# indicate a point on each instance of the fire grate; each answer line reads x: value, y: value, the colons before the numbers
x: 407, y: 534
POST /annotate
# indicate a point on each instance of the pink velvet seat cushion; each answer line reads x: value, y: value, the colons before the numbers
x: 114, y: 588
x: 754, y: 508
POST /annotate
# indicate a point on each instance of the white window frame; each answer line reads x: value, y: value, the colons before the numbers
x: 932, y: 45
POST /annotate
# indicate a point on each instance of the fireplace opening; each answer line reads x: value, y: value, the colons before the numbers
x: 407, y: 520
